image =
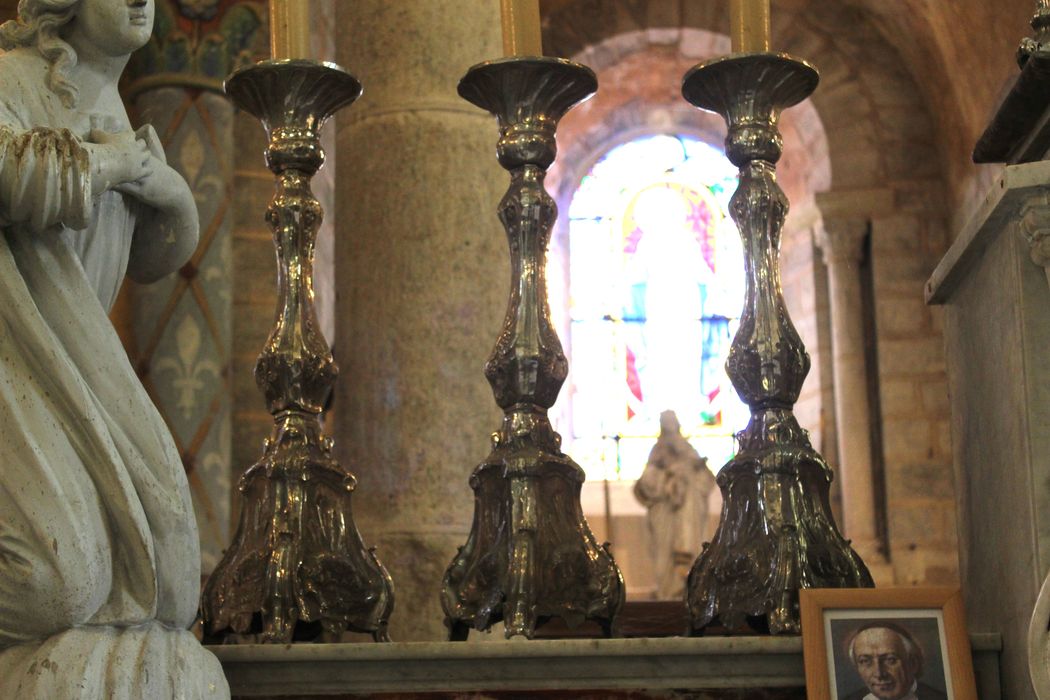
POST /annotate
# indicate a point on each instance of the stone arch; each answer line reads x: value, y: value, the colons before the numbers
x: 878, y: 127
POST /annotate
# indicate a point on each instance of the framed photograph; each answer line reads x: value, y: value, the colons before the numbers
x: 886, y: 644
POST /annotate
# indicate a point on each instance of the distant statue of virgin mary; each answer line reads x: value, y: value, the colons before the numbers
x: 674, y: 486
x: 99, y: 553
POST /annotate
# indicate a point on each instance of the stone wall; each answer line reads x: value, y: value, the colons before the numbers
x: 914, y: 400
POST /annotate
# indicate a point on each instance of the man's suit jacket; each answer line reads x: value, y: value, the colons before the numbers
x: 922, y: 692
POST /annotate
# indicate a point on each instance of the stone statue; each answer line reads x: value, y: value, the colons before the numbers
x: 99, y: 554
x: 674, y: 487
x: 1039, y: 643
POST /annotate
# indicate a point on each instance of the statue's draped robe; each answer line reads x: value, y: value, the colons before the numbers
x: 99, y: 554
x: 674, y: 487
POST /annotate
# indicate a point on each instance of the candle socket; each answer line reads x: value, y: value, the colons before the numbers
x: 530, y: 555
x: 777, y: 533
x: 297, y: 565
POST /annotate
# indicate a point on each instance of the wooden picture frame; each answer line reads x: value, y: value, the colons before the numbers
x: 916, y: 617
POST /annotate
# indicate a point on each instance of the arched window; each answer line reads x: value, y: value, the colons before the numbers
x: 656, y: 286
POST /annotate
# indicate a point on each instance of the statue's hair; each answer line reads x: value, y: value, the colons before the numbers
x: 911, y: 647
x: 38, y: 25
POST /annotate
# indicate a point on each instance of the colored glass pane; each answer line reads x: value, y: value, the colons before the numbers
x: 656, y: 289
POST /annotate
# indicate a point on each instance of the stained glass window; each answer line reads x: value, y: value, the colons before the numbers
x: 656, y: 289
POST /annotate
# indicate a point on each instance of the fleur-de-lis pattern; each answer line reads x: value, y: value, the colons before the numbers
x: 190, y: 371
x: 182, y: 323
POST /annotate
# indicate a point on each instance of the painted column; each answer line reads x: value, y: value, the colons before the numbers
x: 181, y: 326
x: 421, y: 281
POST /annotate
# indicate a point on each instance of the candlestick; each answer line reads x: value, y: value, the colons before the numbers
x: 776, y: 533
x: 290, y: 29
x: 749, y: 25
x: 530, y: 555
x: 297, y: 564
x: 1041, y: 41
x: 521, y: 27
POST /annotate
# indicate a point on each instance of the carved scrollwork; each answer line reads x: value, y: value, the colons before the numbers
x: 530, y: 555
x: 1034, y: 227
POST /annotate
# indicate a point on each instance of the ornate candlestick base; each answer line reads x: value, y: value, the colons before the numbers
x: 530, y: 555
x: 776, y: 533
x: 297, y: 564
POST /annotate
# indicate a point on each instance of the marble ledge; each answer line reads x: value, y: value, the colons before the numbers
x: 258, y: 670
x: 1000, y: 206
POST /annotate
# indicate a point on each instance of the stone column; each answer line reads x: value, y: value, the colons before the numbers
x: 181, y: 326
x: 421, y: 282
x: 841, y: 240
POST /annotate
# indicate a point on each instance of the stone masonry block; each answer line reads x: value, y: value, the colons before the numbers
x: 935, y: 398
x: 899, y: 397
x: 902, y: 358
x: 902, y: 318
x: 922, y: 522
x: 855, y: 165
x: 905, y: 481
x: 897, y: 234
x: 908, y: 441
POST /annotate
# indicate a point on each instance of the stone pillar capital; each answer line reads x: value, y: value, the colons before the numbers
x: 841, y: 239
x: 846, y: 214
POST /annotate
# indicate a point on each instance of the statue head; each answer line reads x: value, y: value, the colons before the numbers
x: 669, y: 423
x: 54, y: 27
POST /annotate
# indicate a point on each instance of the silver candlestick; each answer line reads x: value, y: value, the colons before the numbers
x: 530, y: 555
x: 776, y: 533
x: 297, y: 565
x: 1040, y: 43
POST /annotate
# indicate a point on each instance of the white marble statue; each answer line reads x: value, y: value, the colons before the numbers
x: 674, y: 487
x: 1039, y: 643
x: 99, y: 555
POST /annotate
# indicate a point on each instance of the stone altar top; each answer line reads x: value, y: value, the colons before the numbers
x: 646, y: 664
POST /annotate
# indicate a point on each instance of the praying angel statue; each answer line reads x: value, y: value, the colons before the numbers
x: 99, y: 554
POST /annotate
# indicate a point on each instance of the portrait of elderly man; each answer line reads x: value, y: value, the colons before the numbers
x: 890, y: 662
